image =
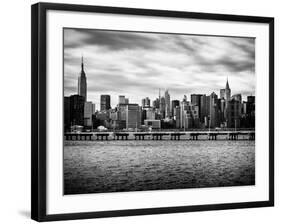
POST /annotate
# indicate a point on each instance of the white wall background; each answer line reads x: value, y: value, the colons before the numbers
x: 15, y: 110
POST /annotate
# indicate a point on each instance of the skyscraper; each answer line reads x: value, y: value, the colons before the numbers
x: 122, y: 100
x: 196, y: 100
x: 203, y: 108
x: 77, y: 110
x: 105, y: 102
x: 251, y: 99
x: 167, y: 104
x: 145, y: 102
x: 177, y: 114
x: 89, y: 110
x: 162, y: 107
x: 233, y: 114
x: 250, y: 110
x: 133, y: 116
x: 82, y: 82
x: 237, y: 97
x: 67, y: 118
x: 175, y: 103
x: 156, y: 103
x: 225, y: 93
x: 213, y: 109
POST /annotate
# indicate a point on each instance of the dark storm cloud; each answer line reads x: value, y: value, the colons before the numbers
x: 109, y: 39
x: 138, y: 64
x: 234, y: 65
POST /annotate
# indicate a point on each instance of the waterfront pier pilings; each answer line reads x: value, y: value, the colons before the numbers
x: 159, y: 135
x: 121, y: 135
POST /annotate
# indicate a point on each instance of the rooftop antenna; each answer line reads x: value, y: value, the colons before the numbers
x: 82, y: 62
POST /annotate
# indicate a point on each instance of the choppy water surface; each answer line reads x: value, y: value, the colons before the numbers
x: 110, y: 166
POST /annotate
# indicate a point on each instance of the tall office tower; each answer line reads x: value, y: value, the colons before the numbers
x: 94, y: 107
x: 145, y: 102
x: 251, y: 99
x: 156, y: 103
x: 122, y: 100
x: 250, y: 111
x: 105, y: 102
x: 203, y: 108
x: 237, y: 97
x: 177, y: 113
x: 162, y: 107
x: 222, y: 109
x: 194, y: 110
x: 184, y: 98
x: 82, y: 82
x: 122, y: 110
x: 175, y: 103
x: 189, y: 115
x: 196, y: 101
x: 225, y: 93
x: 67, y: 113
x: 150, y: 114
x: 213, y: 110
x: 89, y: 109
x: 183, y: 113
x: 126, y: 100
x: 244, y: 107
x: 233, y: 114
x: 133, y: 116
x: 77, y: 110
x: 167, y: 104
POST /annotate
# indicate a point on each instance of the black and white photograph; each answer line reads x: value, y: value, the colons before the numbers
x: 143, y: 111
x: 157, y: 111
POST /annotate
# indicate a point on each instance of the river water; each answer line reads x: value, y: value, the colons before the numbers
x: 112, y: 166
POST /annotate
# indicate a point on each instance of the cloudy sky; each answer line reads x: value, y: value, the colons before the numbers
x: 137, y: 64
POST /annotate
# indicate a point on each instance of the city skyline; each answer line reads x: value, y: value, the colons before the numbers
x: 138, y: 64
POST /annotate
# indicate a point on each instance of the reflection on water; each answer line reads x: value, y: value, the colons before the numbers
x: 110, y: 166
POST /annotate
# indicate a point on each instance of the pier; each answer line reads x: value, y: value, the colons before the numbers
x: 101, y: 135
x: 141, y: 136
x: 176, y: 135
x: 121, y: 135
x: 160, y: 135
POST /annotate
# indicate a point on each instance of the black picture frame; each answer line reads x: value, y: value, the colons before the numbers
x: 39, y: 108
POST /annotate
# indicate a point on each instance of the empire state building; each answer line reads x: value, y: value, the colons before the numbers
x: 82, y: 82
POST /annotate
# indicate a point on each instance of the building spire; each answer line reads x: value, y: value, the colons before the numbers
x: 82, y: 63
x: 82, y: 81
x: 227, y: 85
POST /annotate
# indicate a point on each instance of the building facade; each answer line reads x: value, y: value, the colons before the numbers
x: 154, y: 124
x: 89, y: 110
x: 122, y: 100
x: 233, y: 114
x: 145, y: 102
x: 105, y: 102
x: 162, y: 107
x: 225, y: 93
x: 82, y: 82
x: 67, y: 118
x: 133, y: 116
x: 77, y: 110
x: 175, y: 103
x: 167, y: 104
